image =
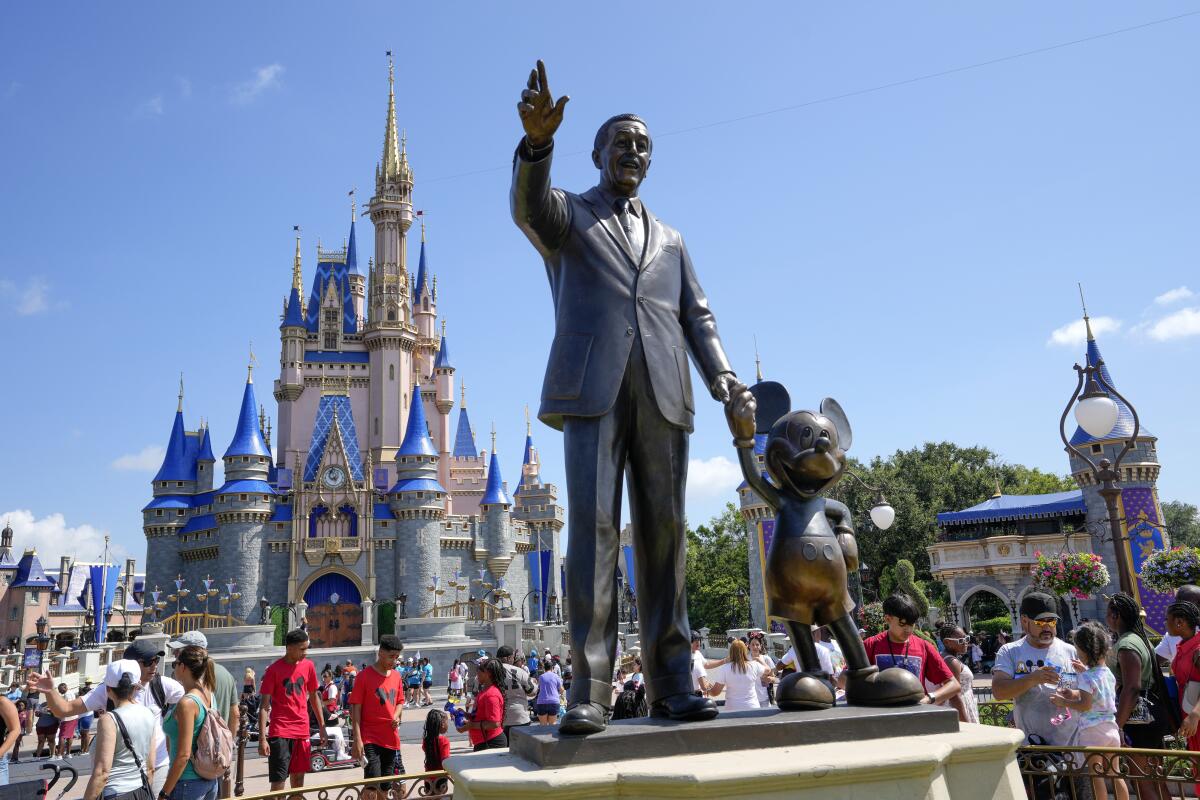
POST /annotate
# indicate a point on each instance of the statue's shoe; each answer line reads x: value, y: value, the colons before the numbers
x: 804, y: 691
x: 684, y: 708
x: 584, y: 719
x: 891, y: 687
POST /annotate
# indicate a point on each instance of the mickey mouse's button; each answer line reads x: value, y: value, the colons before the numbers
x: 810, y: 551
x: 827, y: 551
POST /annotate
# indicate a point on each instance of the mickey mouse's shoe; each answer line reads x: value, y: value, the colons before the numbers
x: 804, y: 691
x: 891, y: 687
x: 684, y: 708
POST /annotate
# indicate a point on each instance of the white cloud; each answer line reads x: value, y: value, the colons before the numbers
x: 148, y: 459
x: 151, y: 107
x: 1174, y: 296
x: 52, y: 538
x: 715, y: 479
x: 32, y: 298
x: 1181, y: 324
x: 1074, y: 333
x: 264, y: 78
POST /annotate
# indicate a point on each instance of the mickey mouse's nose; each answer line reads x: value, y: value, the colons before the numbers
x: 823, y: 445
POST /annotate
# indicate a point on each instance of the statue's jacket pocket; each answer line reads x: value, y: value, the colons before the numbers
x: 567, y: 365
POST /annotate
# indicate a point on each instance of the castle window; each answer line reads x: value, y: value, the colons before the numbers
x: 377, y: 426
x: 245, y: 459
x: 391, y: 315
x: 242, y: 497
x: 12, y: 613
x: 331, y: 315
x: 1097, y: 450
x: 158, y: 512
x: 391, y: 372
x: 266, y: 499
x: 179, y: 512
x: 179, y: 483
x: 331, y: 341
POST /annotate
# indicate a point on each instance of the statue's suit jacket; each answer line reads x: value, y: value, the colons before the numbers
x: 603, y: 298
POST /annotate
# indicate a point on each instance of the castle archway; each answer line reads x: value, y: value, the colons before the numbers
x: 334, y: 600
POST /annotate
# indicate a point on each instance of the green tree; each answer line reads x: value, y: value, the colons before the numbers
x: 906, y: 582
x: 717, y: 568
x: 921, y: 482
x: 1183, y: 523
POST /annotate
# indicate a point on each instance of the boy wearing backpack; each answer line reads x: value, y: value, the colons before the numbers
x: 289, y: 690
x: 376, y: 703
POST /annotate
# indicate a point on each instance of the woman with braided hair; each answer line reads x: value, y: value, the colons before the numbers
x: 1143, y: 711
x: 1183, y: 619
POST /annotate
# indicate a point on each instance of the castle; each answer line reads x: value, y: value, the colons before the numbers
x: 372, y: 504
x: 990, y: 548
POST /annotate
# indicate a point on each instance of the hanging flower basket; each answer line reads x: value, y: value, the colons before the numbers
x: 870, y: 617
x: 1077, y: 574
x: 1167, y: 570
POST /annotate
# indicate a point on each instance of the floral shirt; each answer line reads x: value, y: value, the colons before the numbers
x: 1101, y: 684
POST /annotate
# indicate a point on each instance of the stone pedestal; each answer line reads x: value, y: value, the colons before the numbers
x: 368, y: 623
x: 973, y: 763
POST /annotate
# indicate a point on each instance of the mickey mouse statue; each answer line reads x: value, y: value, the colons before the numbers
x: 813, y: 546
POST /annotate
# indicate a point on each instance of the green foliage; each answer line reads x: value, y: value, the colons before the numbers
x: 887, y: 581
x: 906, y: 583
x: 717, y: 558
x: 870, y: 618
x: 921, y: 482
x: 1183, y: 523
x: 985, y: 605
x: 993, y: 625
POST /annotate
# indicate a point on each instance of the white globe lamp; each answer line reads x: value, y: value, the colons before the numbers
x: 883, y: 515
x: 1096, y: 414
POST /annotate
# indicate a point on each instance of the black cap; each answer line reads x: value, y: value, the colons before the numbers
x: 504, y: 651
x: 143, y: 650
x: 1038, y: 605
x: 696, y: 636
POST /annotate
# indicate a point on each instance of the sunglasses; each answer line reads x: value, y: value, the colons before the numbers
x: 149, y: 662
x: 1044, y: 623
x: 960, y: 640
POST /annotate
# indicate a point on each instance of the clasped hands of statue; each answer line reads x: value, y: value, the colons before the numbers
x: 541, y: 115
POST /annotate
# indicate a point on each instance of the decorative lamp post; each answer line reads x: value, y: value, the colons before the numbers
x: 1097, y: 413
x: 1012, y: 607
x: 180, y: 593
x: 864, y: 578
x: 402, y: 599
x: 88, y: 634
x: 264, y: 607
x: 552, y: 600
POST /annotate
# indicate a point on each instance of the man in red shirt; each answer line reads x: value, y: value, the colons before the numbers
x: 289, y: 690
x: 376, y: 703
x: 899, y: 647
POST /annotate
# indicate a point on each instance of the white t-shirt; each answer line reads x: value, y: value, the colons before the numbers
x: 456, y: 678
x: 1033, y: 709
x: 97, y: 700
x: 763, y: 699
x: 698, y: 670
x: 740, y: 693
x: 826, y: 656
x: 1166, y: 648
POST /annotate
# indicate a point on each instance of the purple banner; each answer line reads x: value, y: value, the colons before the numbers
x: 1144, y: 529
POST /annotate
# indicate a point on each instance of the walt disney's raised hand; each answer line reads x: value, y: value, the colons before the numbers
x: 740, y: 409
x: 540, y: 115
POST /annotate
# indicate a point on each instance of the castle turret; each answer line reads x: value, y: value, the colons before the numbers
x: 418, y: 502
x: 443, y: 376
x: 390, y: 335
x: 494, y: 522
x: 242, y: 506
x: 6, y: 543
x: 358, y: 282
x: 166, y: 514
x: 205, y: 461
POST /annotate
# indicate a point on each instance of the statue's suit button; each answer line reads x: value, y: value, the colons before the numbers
x: 642, y: 300
x: 629, y: 331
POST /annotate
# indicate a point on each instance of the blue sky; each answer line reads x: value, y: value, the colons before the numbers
x: 910, y: 251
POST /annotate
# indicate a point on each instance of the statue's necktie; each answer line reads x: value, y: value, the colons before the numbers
x: 631, y: 225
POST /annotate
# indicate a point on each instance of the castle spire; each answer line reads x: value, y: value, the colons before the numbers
x: 757, y: 362
x: 247, y: 437
x: 416, y: 435
x: 390, y: 163
x: 297, y: 272
x: 179, y: 408
x: 421, y: 276
x: 443, y: 357
x: 494, y: 493
x: 1087, y: 323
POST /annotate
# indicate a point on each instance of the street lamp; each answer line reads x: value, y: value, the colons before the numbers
x: 1096, y: 413
x: 402, y: 599
x: 89, y: 632
x: 264, y: 607
x: 882, y: 514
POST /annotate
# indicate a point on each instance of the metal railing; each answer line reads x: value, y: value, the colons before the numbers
x: 404, y: 787
x: 475, y: 610
x: 182, y: 623
x: 1070, y: 773
x: 996, y: 712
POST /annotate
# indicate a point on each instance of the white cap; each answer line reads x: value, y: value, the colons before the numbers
x: 117, y: 669
x: 189, y: 638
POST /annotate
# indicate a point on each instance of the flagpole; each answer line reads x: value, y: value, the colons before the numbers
x: 103, y: 590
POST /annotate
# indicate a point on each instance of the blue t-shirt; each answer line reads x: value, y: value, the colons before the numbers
x: 549, y: 688
x: 427, y: 673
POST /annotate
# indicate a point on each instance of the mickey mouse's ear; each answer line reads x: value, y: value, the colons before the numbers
x: 773, y: 403
x: 833, y: 410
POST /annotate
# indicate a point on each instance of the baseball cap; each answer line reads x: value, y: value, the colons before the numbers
x: 189, y: 639
x: 142, y: 651
x: 1038, y: 605
x: 696, y: 635
x: 504, y: 651
x: 118, y: 669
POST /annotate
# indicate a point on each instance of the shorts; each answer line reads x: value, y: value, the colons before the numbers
x: 47, y: 730
x: 1102, y: 734
x: 380, y: 762
x: 66, y: 730
x: 546, y: 709
x: 86, y: 722
x: 1148, y: 737
x: 427, y: 684
x: 288, y: 757
x: 497, y: 742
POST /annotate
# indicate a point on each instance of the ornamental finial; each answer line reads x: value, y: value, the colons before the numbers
x: 528, y: 424
x: 463, y: 395
x: 757, y: 361
x: 250, y: 365
x: 180, y: 406
x: 1087, y: 323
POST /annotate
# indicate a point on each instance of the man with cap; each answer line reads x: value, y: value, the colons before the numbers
x: 1029, y: 670
x: 518, y: 691
x: 225, y: 697
x: 155, y: 692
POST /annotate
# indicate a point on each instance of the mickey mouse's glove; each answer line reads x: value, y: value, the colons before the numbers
x: 739, y: 413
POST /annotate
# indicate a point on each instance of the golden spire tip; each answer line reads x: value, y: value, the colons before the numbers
x: 180, y: 406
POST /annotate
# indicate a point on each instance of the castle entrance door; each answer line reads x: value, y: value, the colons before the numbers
x: 334, y: 613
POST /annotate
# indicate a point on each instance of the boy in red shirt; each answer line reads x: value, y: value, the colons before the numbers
x: 376, y: 702
x: 899, y: 647
x: 289, y: 690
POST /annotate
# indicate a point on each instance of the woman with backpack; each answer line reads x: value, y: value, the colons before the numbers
x: 196, y: 671
x: 126, y: 740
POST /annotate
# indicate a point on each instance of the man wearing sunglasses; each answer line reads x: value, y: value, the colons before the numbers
x: 155, y: 692
x: 1028, y: 671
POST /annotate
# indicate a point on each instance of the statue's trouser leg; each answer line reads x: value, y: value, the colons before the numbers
x: 805, y: 647
x: 846, y: 633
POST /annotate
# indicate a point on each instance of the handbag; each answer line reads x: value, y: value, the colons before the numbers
x: 1143, y: 712
x: 144, y: 792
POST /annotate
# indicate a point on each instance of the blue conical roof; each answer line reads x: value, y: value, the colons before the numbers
x: 248, y: 439
x: 420, y: 276
x: 494, y: 494
x: 177, y: 466
x: 205, y: 453
x: 526, y: 462
x: 416, y: 435
x: 352, y: 253
x: 1123, y: 428
x: 464, y: 439
x: 30, y: 573
x: 293, y: 316
x: 443, y: 357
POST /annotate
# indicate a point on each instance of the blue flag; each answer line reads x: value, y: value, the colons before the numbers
x: 104, y: 590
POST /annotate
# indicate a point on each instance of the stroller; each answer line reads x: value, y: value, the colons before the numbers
x: 41, y: 787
